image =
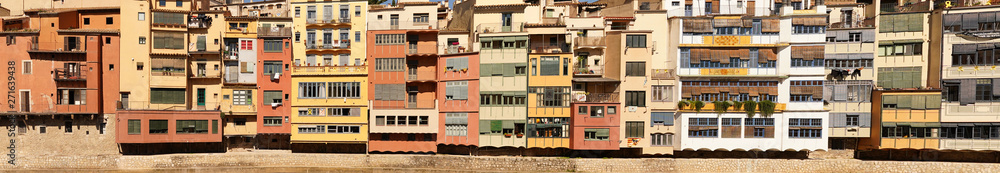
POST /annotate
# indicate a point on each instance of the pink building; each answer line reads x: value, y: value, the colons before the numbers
x: 459, y: 117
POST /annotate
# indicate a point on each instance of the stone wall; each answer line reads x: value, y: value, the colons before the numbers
x: 484, y: 163
x: 85, y: 138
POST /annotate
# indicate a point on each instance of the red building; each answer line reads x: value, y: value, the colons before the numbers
x: 274, y: 82
x: 593, y: 121
x: 458, y: 98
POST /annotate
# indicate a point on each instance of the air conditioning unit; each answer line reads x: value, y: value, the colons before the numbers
x: 275, y: 104
x: 276, y: 76
x: 244, y: 30
x: 632, y: 108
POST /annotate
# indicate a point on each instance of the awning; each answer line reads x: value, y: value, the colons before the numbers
x: 888, y: 124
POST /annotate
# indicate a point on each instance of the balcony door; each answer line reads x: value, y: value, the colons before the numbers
x: 411, y: 69
x: 201, y: 97
x: 411, y: 96
x: 25, y: 101
x: 201, y: 70
x: 508, y: 21
x: 394, y: 21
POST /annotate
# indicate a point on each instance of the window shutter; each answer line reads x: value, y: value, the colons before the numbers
x: 996, y: 86
x: 836, y: 119
x: 201, y: 43
x: 970, y: 21
x: 919, y: 102
x: 865, y: 120
x: 355, y: 111
x: 933, y: 102
x: 65, y: 96
x: 484, y: 126
x: 916, y: 22
x: 243, y: 67
x: 840, y: 93
x: 968, y: 96
x: 885, y: 23
x: 462, y: 91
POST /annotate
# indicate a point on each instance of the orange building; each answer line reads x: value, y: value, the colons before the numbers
x: 274, y: 83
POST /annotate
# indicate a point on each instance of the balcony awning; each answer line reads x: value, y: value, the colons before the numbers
x: 594, y: 79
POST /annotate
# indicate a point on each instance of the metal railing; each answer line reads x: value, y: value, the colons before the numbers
x: 402, y: 24
x: 500, y: 27
x: 421, y: 103
x: 596, y: 97
x: 331, y: 69
x: 908, y: 7
x: 588, y: 70
x: 333, y: 44
x: 455, y: 48
x: 663, y: 74
x: 231, y: 106
x: 71, y: 73
x: 146, y: 105
x: 72, y: 46
x: 274, y: 31
x: 199, y: 22
x: 421, y: 74
x: 422, y: 49
x: 595, y: 41
x: 331, y: 21
x: 865, y: 23
x: 549, y: 48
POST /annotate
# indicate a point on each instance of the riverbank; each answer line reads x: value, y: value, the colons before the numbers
x: 276, y: 162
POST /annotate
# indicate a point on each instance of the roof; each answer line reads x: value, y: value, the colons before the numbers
x: 59, y: 10
x: 619, y: 18
x: 240, y: 18
x: 544, y: 25
x: 593, y: 79
x: 97, y: 31
x: 502, y: 6
x: 169, y: 11
x: 168, y: 54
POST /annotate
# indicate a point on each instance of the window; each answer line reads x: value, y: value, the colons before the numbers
x: 86, y: 21
x: 242, y: 97
x: 675, y: 3
x: 662, y: 93
x: 456, y: 124
x: 852, y: 120
x: 169, y: 18
x: 390, y: 64
x: 193, y: 126
x: 595, y: 111
x: 663, y: 140
x: 662, y: 118
x: 240, y: 121
x: 900, y: 49
x: 298, y: 11
x: 271, y: 97
x: 134, y: 127
x: 759, y: 121
x: 457, y: 90
x: 390, y: 39
x: 272, y: 121
x: 357, y: 11
x: 635, y: 98
x: 806, y: 91
x: 709, y: 133
x: 534, y: 67
x: 596, y: 134
x: 457, y: 64
x: 975, y: 55
x: 810, y: 122
x: 551, y: 96
x: 344, y: 90
x: 848, y: 91
x: 343, y: 129
x: 72, y: 96
x: 167, y: 95
x: 549, y: 66
x: 272, y: 67
x: 142, y: 16
x: 802, y: 29
x: 180, y: 3
x: 902, y: 22
x: 731, y: 122
x: 899, y: 77
x: 312, y: 129
x: 163, y: 2
x: 311, y: 89
x: 635, y: 68
x: 272, y: 46
x: 758, y: 132
x: 26, y: 67
x: 848, y: 63
x: 168, y: 40
x: 634, y: 129
x: 158, y: 126
x: 142, y: 40
x: 635, y: 41
x: 805, y: 133
x: 420, y: 18
x: 109, y: 20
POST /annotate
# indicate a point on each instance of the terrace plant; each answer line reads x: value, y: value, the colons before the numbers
x: 750, y: 107
x: 698, y: 104
x: 767, y: 108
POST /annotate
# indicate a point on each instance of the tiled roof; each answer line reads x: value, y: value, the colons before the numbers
x: 104, y: 31
x: 544, y: 25
x: 502, y: 6
x: 169, y: 11
x: 619, y: 18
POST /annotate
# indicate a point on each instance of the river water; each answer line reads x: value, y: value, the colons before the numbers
x: 255, y: 170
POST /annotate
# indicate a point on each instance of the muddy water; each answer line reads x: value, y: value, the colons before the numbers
x: 256, y: 170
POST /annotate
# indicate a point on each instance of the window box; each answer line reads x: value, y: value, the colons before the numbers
x: 507, y: 135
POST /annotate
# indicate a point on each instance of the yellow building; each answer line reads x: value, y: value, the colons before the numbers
x: 329, y: 76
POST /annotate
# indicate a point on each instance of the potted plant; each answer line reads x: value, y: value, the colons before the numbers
x: 721, y: 107
x: 683, y: 104
x: 506, y: 135
x: 750, y: 107
x: 520, y: 135
x: 698, y: 104
x: 767, y: 108
x: 737, y: 105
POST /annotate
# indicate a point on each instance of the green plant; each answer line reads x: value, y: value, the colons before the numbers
x: 698, y: 104
x: 737, y: 105
x: 683, y: 103
x: 750, y: 107
x: 721, y: 107
x: 767, y: 108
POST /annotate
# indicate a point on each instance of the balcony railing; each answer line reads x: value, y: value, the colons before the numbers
x: 663, y: 74
x: 590, y: 42
x: 866, y: 23
x: 230, y: 106
x: 199, y: 22
x: 455, y: 48
x: 331, y: 21
x: 596, y: 97
x: 334, y: 44
x: 329, y: 70
x: 421, y: 103
x: 401, y: 25
x: 64, y: 47
x: 421, y: 74
x: 421, y: 49
x: 146, y: 105
x: 908, y: 7
x: 71, y: 74
x: 550, y: 48
x: 274, y: 31
x: 500, y: 27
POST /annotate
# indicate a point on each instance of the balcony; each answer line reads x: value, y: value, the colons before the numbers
x: 421, y: 74
x: 866, y: 23
x: 421, y: 49
x: 146, y: 105
x: 421, y: 103
x: 455, y: 48
x: 595, y: 98
x: 550, y: 48
x: 401, y: 25
x: 908, y: 7
x: 274, y: 32
x: 70, y: 74
x: 69, y: 46
x: 663, y: 74
x: 331, y: 45
x: 589, y: 42
x: 595, y: 70
x: 199, y: 22
x: 329, y: 70
x: 317, y: 22
x: 500, y: 27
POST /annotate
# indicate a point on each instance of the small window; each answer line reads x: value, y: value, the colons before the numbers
x: 142, y: 40
x: 109, y: 20
x: 180, y: 3
x: 142, y: 16
x: 26, y: 69
x: 86, y: 21
x: 107, y: 40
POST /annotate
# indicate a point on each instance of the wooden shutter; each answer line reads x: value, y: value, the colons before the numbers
x: 243, y: 67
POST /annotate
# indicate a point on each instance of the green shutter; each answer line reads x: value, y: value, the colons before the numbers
x: 888, y: 99
x: 496, y: 125
x: 215, y: 126
x: 508, y: 124
x: 603, y: 132
x: 885, y: 23
x: 134, y: 126
x: 903, y: 101
x: 933, y: 101
x: 202, y: 125
x: 483, y: 128
x: 916, y: 22
x: 915, y: 78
